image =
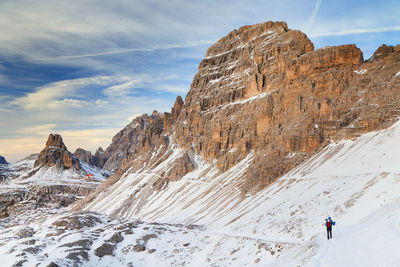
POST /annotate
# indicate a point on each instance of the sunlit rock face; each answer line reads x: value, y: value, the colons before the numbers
x: 56, y: 153
x: 263, y: 89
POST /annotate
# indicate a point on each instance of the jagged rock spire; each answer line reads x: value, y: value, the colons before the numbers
x: 56, y: 153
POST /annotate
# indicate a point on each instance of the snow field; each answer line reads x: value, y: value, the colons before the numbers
x: 351, y: 181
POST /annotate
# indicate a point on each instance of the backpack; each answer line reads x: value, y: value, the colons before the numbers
x: 328, y: 224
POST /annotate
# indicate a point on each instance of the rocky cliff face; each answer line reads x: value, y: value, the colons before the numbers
x: 264, y: 96
x: 138, y: 136
x: 264, y: 88
x: 56, y: 154
x: 84, y: 155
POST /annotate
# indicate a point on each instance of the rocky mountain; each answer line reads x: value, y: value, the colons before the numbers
x: 85, y: 156
x: 51, y: 179
x: 56, y: 154
x: 263, y: 95
x: 199, y: 220
x: 272, y: 137
x: 265, y: 106
x: 136, y: 137
x: 3, y: 160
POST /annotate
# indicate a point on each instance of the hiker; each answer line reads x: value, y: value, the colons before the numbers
x: 329, y: 223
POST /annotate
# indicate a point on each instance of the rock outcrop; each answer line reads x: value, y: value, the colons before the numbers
x: 100, y: 157
x: 84, y: 155
x: 138, y: 136
x: 56, y: 153
x: 384, y: 51
x: 3, y: 160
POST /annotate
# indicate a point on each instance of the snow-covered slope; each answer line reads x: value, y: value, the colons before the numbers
x: 357, y: 182
x: 26, y: 187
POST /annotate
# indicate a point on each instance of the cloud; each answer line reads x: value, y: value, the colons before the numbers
x: 131, y: 50
x: 50, y: 95
x: 41, y: 129
x: 312, y: 17
x: 356, y: 31
x: 173, y: 88
x: 124, y: 88
x: 90, y: 139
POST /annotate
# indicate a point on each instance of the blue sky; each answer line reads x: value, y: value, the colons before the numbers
x: 84, y: 68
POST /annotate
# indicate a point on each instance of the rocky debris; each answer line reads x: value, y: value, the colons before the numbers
x: 138, y: 248
x: 56, y: 154
x: 36, y: 196
x: 147, y: 237
x: 85, y: 239
x: 116, y: 238
x: 4, y: 171
x: 77, y: 221
x: 3, y: 160
x: 26, y: 232
x: 105, y: 249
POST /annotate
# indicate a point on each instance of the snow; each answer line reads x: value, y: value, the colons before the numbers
x: 203, y: 220
x: 354, y: 181
x: 241, y: 101
x: 397, y: 74
x: 360, y: 71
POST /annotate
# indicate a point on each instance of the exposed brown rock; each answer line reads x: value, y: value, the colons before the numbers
x: 141, y: 134
x: 56, y: 153
x: 83, y: 155
x: 182, y: 166
x: 176, y: 110
x: 384, y: 51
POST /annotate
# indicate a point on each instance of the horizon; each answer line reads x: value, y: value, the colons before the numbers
x: 86, y: 71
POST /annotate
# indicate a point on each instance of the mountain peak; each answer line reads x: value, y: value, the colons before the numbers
x: 55, y: 140
x: 56, y: 153
x: 3, y: 160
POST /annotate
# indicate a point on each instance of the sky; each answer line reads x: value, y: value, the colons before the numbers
x: 85, y: 68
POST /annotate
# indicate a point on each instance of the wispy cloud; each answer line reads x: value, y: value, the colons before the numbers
x: 40, y: 129
x: 356, y: 31
x: 131, y: 50
x: 55, y: 93
x: 314, y: 14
